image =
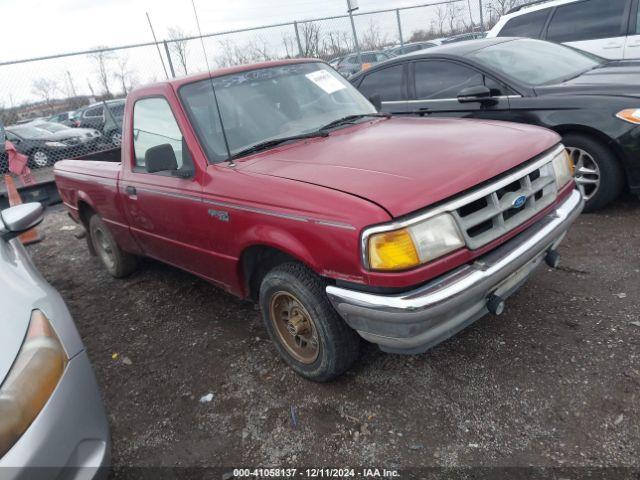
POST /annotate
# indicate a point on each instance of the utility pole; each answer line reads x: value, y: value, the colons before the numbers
x: 399, y: 27
x: 351, y: 6
x: 481, y: 15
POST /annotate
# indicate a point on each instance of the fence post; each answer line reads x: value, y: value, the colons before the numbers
x: 295, y: 25
x: 355, y: 36
x: 166, y: 50
x: 400, y: 26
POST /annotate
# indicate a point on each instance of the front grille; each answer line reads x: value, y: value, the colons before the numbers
x: 487, y: 218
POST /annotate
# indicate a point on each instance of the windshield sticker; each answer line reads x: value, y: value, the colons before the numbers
x: 325, y: 81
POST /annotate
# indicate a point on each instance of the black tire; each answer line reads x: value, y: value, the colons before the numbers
x: 118, y: 263
x: 338, y: 346
x: 612, y: 176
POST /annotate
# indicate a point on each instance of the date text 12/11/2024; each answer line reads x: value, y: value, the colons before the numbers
x: 315, y: 473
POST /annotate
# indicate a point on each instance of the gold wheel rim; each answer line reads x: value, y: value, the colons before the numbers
x: 294, y: 327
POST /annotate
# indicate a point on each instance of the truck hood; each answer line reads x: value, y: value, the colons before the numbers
x: 405, y: 164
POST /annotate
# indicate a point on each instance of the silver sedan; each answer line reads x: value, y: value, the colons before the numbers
x: 52, y: 420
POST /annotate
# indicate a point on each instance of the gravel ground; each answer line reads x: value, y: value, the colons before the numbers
x: 555, y: 381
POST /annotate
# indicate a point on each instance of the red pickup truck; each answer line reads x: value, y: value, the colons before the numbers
x: 279, y: 182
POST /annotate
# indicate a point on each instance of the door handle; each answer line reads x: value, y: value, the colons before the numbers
x: 131, y: 191
x: 610, y: 46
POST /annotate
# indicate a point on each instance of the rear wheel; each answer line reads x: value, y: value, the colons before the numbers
x: 306, y: 330
x: 597, y: 171
x: 117, y: 262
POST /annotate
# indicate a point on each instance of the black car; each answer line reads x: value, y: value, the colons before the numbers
x: 44, y: 147
x: 593, y: 103
x: 109, y: 123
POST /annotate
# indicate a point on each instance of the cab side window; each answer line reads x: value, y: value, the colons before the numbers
x: 153, y: 125
x: 444, y: 80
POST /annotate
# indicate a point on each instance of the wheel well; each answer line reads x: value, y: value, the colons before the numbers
x: 256, y: 262
x: 85, y: 212
x: 596, y: 135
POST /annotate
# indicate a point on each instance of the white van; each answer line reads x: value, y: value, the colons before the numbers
x: 608, y: 28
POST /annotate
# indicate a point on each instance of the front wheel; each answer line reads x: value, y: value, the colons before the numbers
x: 597, y: 171
x: 40, y: 158
x: 307, y: 332
x: 117, y: 262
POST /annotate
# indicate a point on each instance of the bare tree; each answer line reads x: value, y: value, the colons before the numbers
x: 336, y: 44
x: 102, y: 59
x: 290, y: 45
x: 123, y: 74
x: 45, y: 89
x: 311, y: 39
x: 441, y: 16
x: 373, y: 38
x: 497, y: 8
x: 179, y: 46
x: 454, y: 20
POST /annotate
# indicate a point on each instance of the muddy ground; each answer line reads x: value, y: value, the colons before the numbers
x: 555, y: 381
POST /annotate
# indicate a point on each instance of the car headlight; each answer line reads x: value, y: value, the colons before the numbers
x: 33, y: 377
x: 563, y: 168
x: 413, y: 245
x: 54, y: 144
x: 631, y: 115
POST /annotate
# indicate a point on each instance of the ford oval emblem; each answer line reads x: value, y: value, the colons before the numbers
x: 519, y: 201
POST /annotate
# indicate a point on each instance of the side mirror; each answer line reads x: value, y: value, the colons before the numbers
x: 160, y: 158
x: 479, y: 93
x: 376, y: 101
x: 19, y: 219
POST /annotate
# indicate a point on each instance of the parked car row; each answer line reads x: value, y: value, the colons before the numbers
x: 350, y: 64
x: 83, y: 131
x: 593, y: 103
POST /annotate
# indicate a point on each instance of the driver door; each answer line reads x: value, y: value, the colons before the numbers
x: 436, y: 84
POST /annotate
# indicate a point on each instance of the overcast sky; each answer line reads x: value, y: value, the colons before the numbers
x: 44, y: 27
x: 36, y: 28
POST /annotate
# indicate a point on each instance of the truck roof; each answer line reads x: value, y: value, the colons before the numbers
x: 176, y: 83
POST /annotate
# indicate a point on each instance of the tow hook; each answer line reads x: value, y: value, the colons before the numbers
x: 495, y: 304
x: 552, y: 258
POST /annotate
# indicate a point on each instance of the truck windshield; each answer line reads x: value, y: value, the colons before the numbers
x: 259, y: 105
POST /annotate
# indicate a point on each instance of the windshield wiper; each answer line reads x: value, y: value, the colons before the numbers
x: 275, y: 142
x: 351, y: 119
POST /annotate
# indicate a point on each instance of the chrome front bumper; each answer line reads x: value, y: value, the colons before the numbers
x: 414, y: 321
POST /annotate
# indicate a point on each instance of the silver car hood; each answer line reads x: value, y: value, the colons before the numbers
x: 22, y: 289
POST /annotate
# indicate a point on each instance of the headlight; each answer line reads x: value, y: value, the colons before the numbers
x: 54, y: 144
x: 563, y: 168
x: 413, y: 245
x: 33, y: 377
x: 631, y: 115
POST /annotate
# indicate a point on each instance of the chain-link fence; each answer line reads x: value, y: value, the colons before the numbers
x: 86, y: 89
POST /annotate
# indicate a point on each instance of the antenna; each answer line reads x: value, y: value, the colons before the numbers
x: 213, y: 89
x: 157, y: 46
